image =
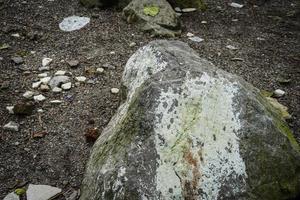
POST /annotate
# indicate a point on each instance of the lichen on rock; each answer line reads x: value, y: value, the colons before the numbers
x: 188, y: 130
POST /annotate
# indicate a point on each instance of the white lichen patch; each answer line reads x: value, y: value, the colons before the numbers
x: 141, y: 65
x: 197, y: 140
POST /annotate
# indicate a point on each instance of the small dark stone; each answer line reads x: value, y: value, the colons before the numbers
x: 23, y: 108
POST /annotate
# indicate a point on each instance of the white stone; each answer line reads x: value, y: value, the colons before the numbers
x: 132, y: 44
x: 189, y: 34
x: 60, y: 73
x: 44, y: 88
x: 10, y: 109
x: 39, y: 98
x: 11, y: 126
x: 28, y: 94
x: 11, y: 196
x: 45, y: 80
x: 100, y: 70
x: 114, y: 90
x: 57, y: 80
x: 36, y: 84
x: 56, y: 102
x: 73, y: 23
x: 16, y: 35
x: 80, y: 78
x: 46, y: 61
x: 42, y: 75
x: 231, y: 47
x: 41, y: 192
x: 196, y: 39
x: 203, y: 22
x: 56, y: 90
x: 186, y: 10
x: 279, y: 93
x: 66, y: 86
x: 236, y: 5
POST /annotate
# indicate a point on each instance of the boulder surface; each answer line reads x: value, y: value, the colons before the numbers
x: 154, y: 16
x: 188, y: 130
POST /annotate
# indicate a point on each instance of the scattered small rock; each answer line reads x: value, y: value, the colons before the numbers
x: 44, y: 88
x: 56, y: 90
x: 17, y: 35
x: 189, y: 34
x: 56, y: 81
x: 42, y: 192
x: 80, y: 79
x: 73, y: 23
x: 28, y: 94
x: 108, y: 66
x: 36, y: 84
x: 114, y: 90
x: 60, y: 73
x: 203, y: 22
x: 45, y: 68
x: 17, y: 60
x: 237, y: 59
x: 92, y: 134
x: 10, y: 109
x: 187, y: 10
x: 23, y: 108
x: 42, y: 75
x: 100, y: 70
x: 196, y: 39
x: 39, y: 134
x: 231, y: 47
x: 39, y: 98
x: 56, y: 102
x: 132, y: 44
x: 73, y: 63
x: 177, y: 9
x: 46, y: 61
x: 278, y: 93
x: 66, y: 86
x: 236, y: 5
x: 11, y: 126
x: 45, y: 80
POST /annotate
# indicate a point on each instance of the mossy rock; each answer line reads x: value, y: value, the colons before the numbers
x: 191, y: 131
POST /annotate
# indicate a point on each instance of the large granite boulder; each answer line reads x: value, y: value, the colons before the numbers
x: 154, y: 16
x: 188, y: 130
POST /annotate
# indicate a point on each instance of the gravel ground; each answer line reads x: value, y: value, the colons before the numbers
x: 267, y: 38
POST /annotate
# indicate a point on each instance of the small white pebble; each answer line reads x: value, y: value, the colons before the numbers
x: 42, y: 75
x: 28, y: 94
x: 39, y: 98
x: 80, y: 78
x: 45, y: 80
x: 60, y: 73
x: 279, y: 93
x: 66, y: 86
x: 100, y: 70
x: 10, y: 109
x: 56, y: 90
x: 36, y: 84
x: 114, y: 90
x: 189, y: 34
x: 46, y: 61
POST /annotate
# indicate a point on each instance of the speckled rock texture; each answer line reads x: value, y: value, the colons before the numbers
x: 188, y: 130
x: 164, y: 23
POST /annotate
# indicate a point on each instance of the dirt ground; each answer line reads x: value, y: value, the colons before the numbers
x: 267, y: 37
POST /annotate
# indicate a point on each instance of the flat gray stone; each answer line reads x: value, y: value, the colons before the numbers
x: 11, y: 196
x: 57, y: 81
x: 41, y: 192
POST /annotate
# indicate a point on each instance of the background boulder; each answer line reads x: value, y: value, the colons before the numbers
x: 155, y: 16
x: 188, y: 130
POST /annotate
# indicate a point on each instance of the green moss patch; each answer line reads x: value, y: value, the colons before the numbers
x: 151, y: 10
